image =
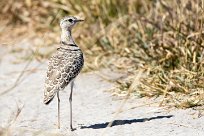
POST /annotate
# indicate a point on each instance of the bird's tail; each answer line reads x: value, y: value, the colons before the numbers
x: 48, y: 96
x: 47, y: 101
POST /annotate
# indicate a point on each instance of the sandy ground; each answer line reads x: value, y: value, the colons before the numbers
x: 22, y: 112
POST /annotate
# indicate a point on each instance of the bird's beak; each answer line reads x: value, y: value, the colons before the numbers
x: 79, y: 20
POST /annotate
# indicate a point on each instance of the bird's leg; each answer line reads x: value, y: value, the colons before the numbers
x: 58, y: 125
x: 70, y: 102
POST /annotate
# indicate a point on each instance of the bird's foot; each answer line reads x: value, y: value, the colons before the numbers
x: 72, y: 129
x: 58, y: 125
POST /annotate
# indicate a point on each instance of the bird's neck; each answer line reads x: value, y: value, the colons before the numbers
x: 66, y: 37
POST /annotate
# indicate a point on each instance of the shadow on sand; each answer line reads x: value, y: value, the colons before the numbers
x: 123, y: 122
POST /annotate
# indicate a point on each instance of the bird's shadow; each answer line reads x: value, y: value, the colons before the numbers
x: 123, y: 122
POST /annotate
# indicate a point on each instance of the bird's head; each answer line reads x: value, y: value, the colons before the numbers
x: 68, y: 22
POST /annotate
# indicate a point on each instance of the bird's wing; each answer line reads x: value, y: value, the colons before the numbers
x: 61, y: 70
x: 53, y: 79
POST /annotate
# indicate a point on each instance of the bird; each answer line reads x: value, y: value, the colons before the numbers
x: 64, y: 65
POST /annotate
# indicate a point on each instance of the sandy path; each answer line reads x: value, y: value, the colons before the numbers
x: 93, y: 109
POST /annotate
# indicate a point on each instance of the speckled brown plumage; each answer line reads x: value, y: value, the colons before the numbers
x: 63, y: 67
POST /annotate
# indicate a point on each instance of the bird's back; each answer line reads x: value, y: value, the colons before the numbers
x: 63, y: 67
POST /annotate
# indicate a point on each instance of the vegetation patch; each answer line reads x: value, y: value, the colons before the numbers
x: 163, y: 38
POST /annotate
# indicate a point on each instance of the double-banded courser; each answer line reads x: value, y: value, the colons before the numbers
x: 64, y: 65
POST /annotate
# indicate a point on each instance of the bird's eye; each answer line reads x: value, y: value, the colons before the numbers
x: 70, y: 20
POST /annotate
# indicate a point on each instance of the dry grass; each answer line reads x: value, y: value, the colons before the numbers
x: 162, y: 37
